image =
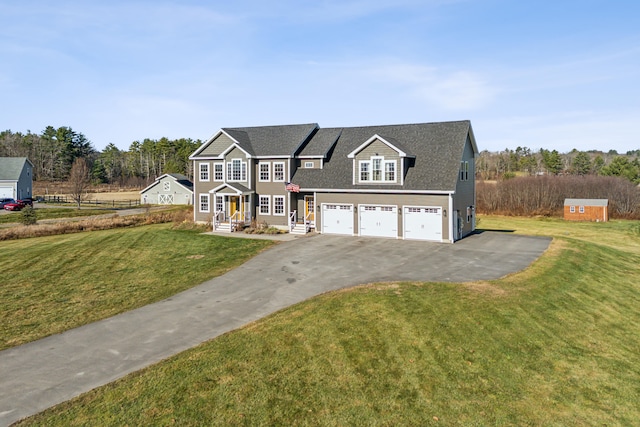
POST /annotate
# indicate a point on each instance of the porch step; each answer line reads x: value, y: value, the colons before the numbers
x: 223, y: 227
x: 300, y: 229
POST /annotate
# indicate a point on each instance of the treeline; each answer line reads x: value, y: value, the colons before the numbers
x: 54, y: 151
x: 522, y: 161
x: 544, y: 195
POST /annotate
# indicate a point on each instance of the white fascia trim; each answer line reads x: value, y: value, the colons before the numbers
x: 271, y: 157
x: 450, y: 218
x: 156, y: 182
x: 370, y: 140
x: 310, y: 157
x: 231, y: 147
x: 221, y: 186
x: 206, y: 158
x: 332, y: 190
x: 472, y: 137
x: 209, y: 141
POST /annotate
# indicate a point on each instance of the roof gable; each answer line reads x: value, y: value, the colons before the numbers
x: 385, y: 141
x: 437, y: 149
x: 11, y: 167
x: 262, y: 141
x: 180, y: 179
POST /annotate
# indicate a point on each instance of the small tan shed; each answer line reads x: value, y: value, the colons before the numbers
x: 586, y: 210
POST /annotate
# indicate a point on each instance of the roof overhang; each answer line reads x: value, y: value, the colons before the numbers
x: 365, y: 144
x: 236, y: 188
x: 194, y: 156
x: 158, y: 179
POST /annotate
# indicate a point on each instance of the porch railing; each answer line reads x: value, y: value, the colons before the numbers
x: 234, y: 220
x: 292, y: 219
x: 307, y: 221
x: 218, y: 217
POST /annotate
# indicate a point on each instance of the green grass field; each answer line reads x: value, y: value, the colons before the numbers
x: 557, y: 344
x: 55, y: 283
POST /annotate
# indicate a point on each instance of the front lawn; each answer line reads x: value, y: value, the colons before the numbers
x: 558, y: 344
x: 51, y: 284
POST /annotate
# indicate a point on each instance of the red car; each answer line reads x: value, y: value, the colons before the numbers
x: 15, y: 205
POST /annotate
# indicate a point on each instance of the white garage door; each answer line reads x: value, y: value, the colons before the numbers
x: 378, y: 221
x: 422, y: 223
x: 337, y: 219
x: 6, y: 192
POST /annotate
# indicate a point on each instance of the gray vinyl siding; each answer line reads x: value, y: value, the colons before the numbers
x: 236, y: 153
x: 378, y: 148
x: 399, y: 200
x: 465, y: 195
x: 24, y: 185
x: 217, y: 146
x: 317, y: 163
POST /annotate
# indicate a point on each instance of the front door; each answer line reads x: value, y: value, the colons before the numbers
x: 233, y: 204
x: 309, y: 209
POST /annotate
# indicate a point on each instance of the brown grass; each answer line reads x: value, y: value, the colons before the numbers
x: 23, y: 232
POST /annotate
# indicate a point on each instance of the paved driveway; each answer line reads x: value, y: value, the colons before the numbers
x: 41, y: 374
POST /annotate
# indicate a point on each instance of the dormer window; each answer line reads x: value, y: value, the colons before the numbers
x: 377, y: 169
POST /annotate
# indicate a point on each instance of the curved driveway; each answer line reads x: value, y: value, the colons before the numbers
x: 43, y: 373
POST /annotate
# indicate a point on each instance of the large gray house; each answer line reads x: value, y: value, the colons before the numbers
x: 16, y: 178
x: 413, y: 181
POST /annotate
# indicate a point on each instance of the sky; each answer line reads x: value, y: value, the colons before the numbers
x: 554, y: 74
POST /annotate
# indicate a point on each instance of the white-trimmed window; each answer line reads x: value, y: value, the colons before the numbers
x: 265, y: 173
x: 219, y: 203
x: 572, y: 209
x: 377, y: 169
x: 166, y: 186
x: 204, y: 203
x: 218, y: 174
x: 278, y: 205
x: 364, y: 170
x: 390, y: 171
x: 278, y: 171
x: 236, y: 170
x: 581, y: 209
x: 204, y: 171
x: 265, y: 205
x: 308, y: 165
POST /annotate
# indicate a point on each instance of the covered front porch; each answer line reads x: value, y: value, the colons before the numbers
x: 233, y: 207
x: 302, y: 218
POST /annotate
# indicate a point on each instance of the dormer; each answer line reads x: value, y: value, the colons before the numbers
x: 379, y: 160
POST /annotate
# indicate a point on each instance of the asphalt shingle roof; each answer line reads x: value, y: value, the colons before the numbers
x: 437, y: 147
x: 321, y: 143
x: 11, y: 168
x: 586, y: 202
x: 272, y: 140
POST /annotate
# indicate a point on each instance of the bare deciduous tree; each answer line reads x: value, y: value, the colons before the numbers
x: 79, y: 180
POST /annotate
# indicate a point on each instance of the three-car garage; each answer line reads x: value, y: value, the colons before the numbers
x: 416, y: 222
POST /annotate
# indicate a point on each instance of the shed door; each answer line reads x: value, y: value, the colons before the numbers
x: 337, y: 219
x: 378, y: 221
x: 6, y: 192
x: 165, y: 199
x: 422, y: 223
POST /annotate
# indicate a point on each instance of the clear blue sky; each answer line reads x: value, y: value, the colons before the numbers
x: 557, y: 74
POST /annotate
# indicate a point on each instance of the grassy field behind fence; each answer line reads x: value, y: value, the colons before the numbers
x: 558, y: 344
x: 60, y: 282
